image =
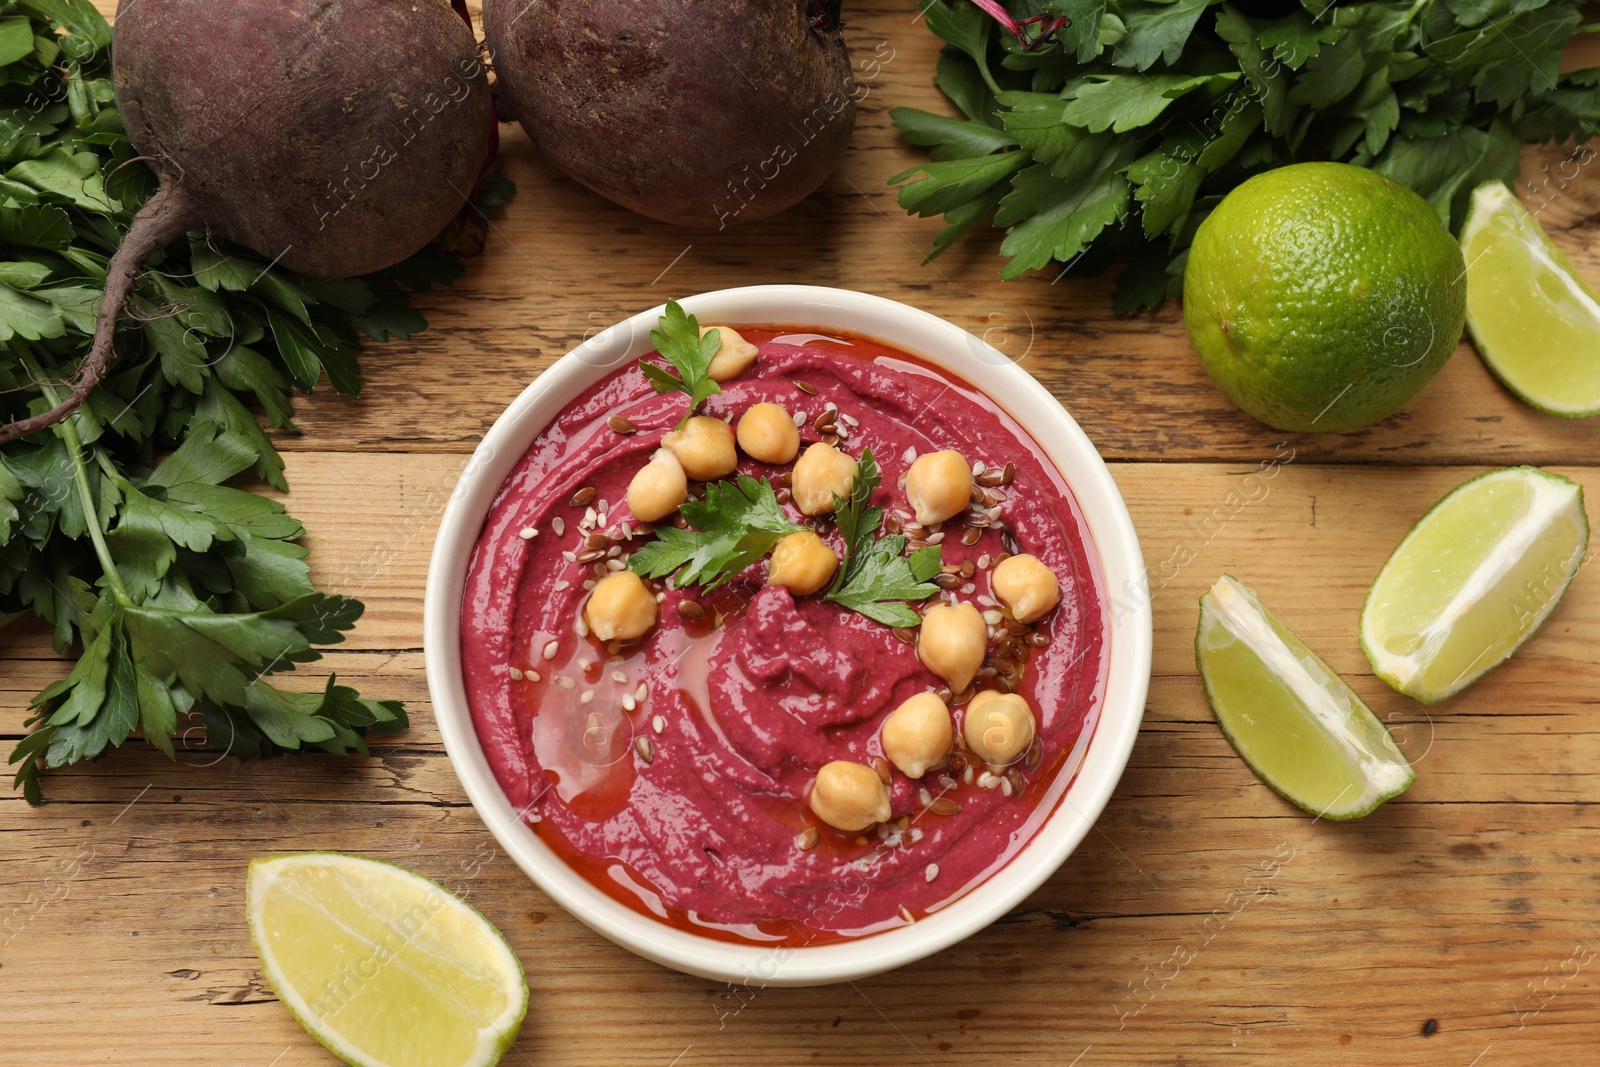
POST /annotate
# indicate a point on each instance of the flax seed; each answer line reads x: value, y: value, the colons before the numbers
x: 582, y: 497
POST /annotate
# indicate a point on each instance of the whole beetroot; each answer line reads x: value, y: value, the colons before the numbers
x: 332, y: 137
x: 696, y: 114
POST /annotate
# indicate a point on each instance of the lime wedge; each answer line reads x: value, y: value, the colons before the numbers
x: 1535, y: 322
x: 1473, y: 579
x: 1288, y: 715
x: 382, y: 966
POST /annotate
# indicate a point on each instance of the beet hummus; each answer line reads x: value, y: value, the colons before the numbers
x: 680, y: 770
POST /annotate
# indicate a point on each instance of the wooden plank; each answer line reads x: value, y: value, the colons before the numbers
x: 1480, y: 872
x: 1163, y: 939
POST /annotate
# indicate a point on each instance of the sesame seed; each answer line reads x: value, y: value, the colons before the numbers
x: 849, y: 420
x: 916, y: 834
x: 924, y: 797
x: 628, y: 703
x: 532, y: 676
x: 968, y: 589
x: 1005, y: 786
x: 800, y: 417
x: 564, y: 682
x: 570, y: 556
x: 527, y: 533
x: 933, y: 871
x: 910, y: 455
x: 581, y: 626
x: 590, y: 517
x: 562, y: 584
x: 643, y: 691
x: 977, y: 468
x: 983, y: 561
x: 993, y: 617
x: 516, y: 673
x: 987, y: 781
x: 618, y: 676
x: 660, y: 597
x: 559, y: 525
x: 615, y: 565
x: 657, y: 723
x: 550, y: 649
x: 905, y: 914
x: 587, y: 697
x: 588, y: 583
x: 935, y: 539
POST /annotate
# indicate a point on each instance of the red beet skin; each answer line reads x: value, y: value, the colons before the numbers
x: 702, y: 114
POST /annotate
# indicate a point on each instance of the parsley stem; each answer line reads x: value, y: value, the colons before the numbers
x: 68, y: 431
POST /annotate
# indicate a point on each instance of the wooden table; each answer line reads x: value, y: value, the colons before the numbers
x: 1453, y: 927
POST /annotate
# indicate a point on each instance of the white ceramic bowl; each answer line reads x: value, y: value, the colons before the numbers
x: 942, y: 344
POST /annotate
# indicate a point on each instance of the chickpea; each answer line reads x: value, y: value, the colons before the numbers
x: 849, y: 796
x: 822, y: 473
x: 802, y: 563
x: 658, y: 487
x: 734, y: 355
x: 1027, y: 587
x: 705, y: 448
x: 998, y: 727
x: 917, y: 734
x: 939, y: 486
x: 768, y: 434
x: 620, y: 608
x: 952, y: 643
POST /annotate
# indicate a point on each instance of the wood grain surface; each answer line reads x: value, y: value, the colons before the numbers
x: 1453, y: 927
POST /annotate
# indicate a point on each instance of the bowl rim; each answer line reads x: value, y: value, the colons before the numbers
x: 954, y: 351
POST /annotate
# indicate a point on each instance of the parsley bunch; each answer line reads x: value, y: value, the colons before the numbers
x: 118, y: 527
x: 1118, y: 140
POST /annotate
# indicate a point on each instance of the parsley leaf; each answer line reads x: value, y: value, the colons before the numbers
x: 875, y: 574
x: 736, y: 524
x: 678, y: 339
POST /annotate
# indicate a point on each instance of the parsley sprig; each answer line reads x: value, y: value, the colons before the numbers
x: 736, y: 524
x: 876, y: 575
x: 740, y: 521
x: 678, y: 339
x: 1119, y: 142
x: 119, y: 527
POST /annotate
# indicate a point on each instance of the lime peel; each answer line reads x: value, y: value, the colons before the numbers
x: 1289, y: 715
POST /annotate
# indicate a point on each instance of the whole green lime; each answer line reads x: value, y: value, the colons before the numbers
x: 1322, y: 296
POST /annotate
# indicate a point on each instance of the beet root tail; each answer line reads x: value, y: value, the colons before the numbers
x: 165, y: 216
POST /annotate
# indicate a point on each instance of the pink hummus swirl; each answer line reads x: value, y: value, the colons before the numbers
x: 673, y: 772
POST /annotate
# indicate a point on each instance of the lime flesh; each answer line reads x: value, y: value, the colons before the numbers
x: 382, y: 966
x: 1289, y: 716
x: 1473, y: 580
x: 1535, y: 322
